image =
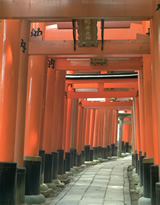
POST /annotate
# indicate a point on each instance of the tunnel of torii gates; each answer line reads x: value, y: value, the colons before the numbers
x: 64, y: 102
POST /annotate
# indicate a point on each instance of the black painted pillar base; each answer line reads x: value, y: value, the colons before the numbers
x: 115, y: 150
x: 141, y: 169
x: 112, y: 149
x: 20, y: 188
x: 109, y: 151
x: 48, y: 169
x: 154, y: 178
x: 127, y: 146
x: 33, y: 171
x: 42, y: 155
x: 91, y: 155
x: 157, y: 193
x: 55, y: 158
x: 79, y: 160
x: 82, y: 156
x: 147, y: 162
x: 8, y: 183
x: 67, y: 161
x: 140, y: 154
x: 135, y: 162
x: 61, y: 161
x: 87, y: 152
x: 138, y: 167
x: 95, y: 153
x: 75, y: 158
x: 105, y: 152
x: 100, y: 152
x: 138, y: 162
x: 72, y: 157
x: 123, y: 147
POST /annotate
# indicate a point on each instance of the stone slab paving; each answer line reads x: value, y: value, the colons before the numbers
x: 102, y: 184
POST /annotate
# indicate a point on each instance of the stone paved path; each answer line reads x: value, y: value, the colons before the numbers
x: 101, y: 184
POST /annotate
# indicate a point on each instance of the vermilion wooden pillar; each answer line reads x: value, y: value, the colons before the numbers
x: 42, y: 27
x: 154, y: 64
x: 9, y: 74
x: 56, y: 109
x: 105, y: 129
x: 64, y: 120
x: 134, y: 125
x: 74, y: 123
x: 48, y: 121
x: 141, y: 111
x: 61, y: 111
x: 91, y: 127
x: 115, y: 126
x: 13, y: 81
x: 102, y: 114
x: 130, y: 134
x: 37, y: 69
x: 43, y: 109
x: 87, y: 127
x: 125, y: 136
x: 109, y: 126
x: 98, y: 128
x: 79, y: 128
x: 58, y: 112
x: 148, y: 105
x: 95, y: 129
x: 84, y: 113
x: 21, y: 101
x: 68, y: 125
x: 137, y: 134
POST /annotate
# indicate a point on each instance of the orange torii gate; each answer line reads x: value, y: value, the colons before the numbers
x: 126, y: 54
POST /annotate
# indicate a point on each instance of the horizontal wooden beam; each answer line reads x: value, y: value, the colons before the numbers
x: 105, y: 94
x: 106, y: 85
x: 131, y: 46
x: 116, y: 64
x: 106, y: 81
x: 107, y: 24
x: 113, y: 105
x: 49, y: 10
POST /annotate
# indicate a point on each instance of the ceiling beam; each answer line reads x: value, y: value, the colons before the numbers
x: 49, y: 10
x: 114, y: 64
x: 113, y: 105
x: 107, y: 24
x: 105, y: 94
x: 106, y: 81
x: 130, y: 46
x: 106, y: 85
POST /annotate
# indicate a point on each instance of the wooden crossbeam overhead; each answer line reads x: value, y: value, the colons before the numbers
x: 107, y: 85
x: 105, y: 94
x: 132, y: 46
x: 49, y: 10
x: 116, y: 64
x: 113, y: 105
x: 108, y: 82
x: 107, y: 24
